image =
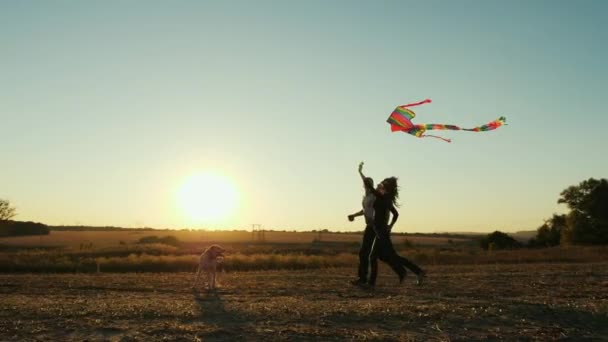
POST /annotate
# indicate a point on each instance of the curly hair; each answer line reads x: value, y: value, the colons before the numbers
x: 392, y: 189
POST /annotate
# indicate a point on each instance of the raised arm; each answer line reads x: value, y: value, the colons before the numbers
x: 361, y: 171
x: 368, y: 187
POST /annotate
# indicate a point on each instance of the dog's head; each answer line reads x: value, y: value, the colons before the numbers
x: 214, y: 251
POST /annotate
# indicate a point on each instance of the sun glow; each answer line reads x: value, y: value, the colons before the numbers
x: 207, y: 198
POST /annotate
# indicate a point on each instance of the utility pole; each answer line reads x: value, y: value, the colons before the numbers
x: 257, y: 233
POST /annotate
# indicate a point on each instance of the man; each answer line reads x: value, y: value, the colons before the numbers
x: 369, y: 234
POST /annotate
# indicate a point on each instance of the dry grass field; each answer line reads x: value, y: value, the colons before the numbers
x: 536, y: 302
x: 122, y: 251
x: 113, y: 238
x: 293, y: 287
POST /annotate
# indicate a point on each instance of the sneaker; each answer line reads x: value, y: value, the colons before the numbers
x: 401, y: 278
x: 420, y: 277
x: 358, y: 282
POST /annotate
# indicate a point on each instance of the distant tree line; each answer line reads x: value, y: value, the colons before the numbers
x: 16, y: 228
x: 101, y: 229
x: 586, y: 223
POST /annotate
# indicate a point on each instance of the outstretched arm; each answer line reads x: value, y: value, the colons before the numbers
x: 351, y: 217
x: 395, y: 217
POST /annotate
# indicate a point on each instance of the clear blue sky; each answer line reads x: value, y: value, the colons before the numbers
x: 107, y: 106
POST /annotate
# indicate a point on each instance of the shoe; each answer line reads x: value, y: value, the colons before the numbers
x: 420, y: 277
x: 358, y: 282
x: 401, y: 278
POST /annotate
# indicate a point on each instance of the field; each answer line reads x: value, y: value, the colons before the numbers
x: 123, y: 251
x: 112, y: 238
x: 486, y: 302
x: 107, y: 285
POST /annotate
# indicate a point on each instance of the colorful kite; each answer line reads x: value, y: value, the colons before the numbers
x: 401, y: 120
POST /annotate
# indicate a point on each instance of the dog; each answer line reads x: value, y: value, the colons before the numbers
x: 209, y: 263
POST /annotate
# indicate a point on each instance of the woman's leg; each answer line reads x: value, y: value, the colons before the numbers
x: 386, y: 253
x: 420, y: 273
x: 408, y: 264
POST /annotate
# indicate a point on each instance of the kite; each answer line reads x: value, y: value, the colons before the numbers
x: 401, y: 120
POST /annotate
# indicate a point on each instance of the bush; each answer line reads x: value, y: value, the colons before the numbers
x: 498, y: 240
x: 166, y: 240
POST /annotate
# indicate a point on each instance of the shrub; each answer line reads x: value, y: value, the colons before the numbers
x: 167, y: 240
x: 499, y: 240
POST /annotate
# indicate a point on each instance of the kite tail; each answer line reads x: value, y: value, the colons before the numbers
x: 419, y: 130
x: 417, y: 103
x: 489, y: 126
x: 434, y: 136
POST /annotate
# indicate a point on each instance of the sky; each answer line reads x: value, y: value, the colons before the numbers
x: 108, y: 107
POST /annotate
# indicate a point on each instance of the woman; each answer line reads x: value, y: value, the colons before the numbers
x: 387, y: 194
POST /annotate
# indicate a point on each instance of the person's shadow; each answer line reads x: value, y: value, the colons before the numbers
x: 211, y: 306
x: 228, y: 325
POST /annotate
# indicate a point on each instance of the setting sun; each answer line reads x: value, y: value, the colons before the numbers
x: 207, y: 197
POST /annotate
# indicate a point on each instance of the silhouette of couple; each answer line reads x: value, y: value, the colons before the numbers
x: 378, y: 203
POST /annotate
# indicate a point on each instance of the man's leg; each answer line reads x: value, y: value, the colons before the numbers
x: 364, y: 253
x: 373, y: 261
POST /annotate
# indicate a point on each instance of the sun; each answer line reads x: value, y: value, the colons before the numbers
x: 207, y: 197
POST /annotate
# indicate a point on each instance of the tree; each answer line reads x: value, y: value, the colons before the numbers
x: 582, y: 230
x: 549, y: 234
x: 499, y: 240
x: 587, y: 221
x: 6, y: 211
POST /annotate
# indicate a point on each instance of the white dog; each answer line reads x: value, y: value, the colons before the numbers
x: 208, y: 263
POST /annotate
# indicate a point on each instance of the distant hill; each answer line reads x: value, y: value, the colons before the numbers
x: 521, y: 236
x: 524, y: 235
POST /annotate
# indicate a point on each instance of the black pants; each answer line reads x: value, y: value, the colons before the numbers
x: 384, y: 250
x: 369, y: 235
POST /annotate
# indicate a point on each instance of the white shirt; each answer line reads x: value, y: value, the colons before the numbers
x: 368, y: 207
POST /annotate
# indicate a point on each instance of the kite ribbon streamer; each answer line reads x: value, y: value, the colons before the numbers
x: 419, y: 130
x: 417, y: 103
x: 401, y: 120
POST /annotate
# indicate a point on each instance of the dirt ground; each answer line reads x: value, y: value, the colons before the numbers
x: 457, y: 303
